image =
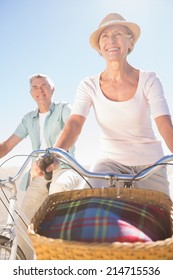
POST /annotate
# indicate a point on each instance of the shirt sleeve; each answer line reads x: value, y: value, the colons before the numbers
x: 66, y: 111
x: 156, y: 98
x: 22, y: 131
x: 82, y: 102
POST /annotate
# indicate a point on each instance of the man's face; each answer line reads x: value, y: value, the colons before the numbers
x: 41, y: 91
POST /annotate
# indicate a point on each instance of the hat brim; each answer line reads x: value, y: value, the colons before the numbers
x: 133, y: 27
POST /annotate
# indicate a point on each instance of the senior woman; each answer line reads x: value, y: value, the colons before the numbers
x: 125, y: 100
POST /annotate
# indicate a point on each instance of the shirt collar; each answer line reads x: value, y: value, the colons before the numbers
x: 36, y: 112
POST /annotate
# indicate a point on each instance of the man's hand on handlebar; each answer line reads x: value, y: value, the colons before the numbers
x: 44, y: 166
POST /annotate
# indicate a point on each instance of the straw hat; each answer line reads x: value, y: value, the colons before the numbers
x: 113, y: 19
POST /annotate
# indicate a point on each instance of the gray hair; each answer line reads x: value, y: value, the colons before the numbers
x: 131, y: 38
x: 38, y: 76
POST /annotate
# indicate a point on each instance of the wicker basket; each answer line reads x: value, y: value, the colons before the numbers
x: 57, y: 249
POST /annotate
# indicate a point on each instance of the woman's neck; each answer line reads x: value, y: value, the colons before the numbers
x: 117, y: 71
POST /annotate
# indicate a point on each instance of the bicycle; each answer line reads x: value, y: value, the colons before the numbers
x: 10, y: 244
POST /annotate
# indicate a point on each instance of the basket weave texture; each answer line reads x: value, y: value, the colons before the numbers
x: 58, y: 249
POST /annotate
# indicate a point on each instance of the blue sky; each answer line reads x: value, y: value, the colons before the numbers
x: 52, y: 37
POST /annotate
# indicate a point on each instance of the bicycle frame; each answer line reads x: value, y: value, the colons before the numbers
x: 10, y: 230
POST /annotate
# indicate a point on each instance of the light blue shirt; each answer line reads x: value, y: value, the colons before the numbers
x: 54, y: 123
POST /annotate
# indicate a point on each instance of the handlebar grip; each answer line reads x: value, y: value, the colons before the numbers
x: 43, y: 163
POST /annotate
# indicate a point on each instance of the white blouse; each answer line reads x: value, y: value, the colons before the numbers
x: 127, y: 134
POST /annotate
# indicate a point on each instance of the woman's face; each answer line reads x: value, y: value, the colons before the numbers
x: 115, y: 42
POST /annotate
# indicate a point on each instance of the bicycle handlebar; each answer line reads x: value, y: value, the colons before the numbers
x: 66, y: 158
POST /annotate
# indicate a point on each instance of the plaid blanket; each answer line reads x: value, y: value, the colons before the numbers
x: 96, y: 219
